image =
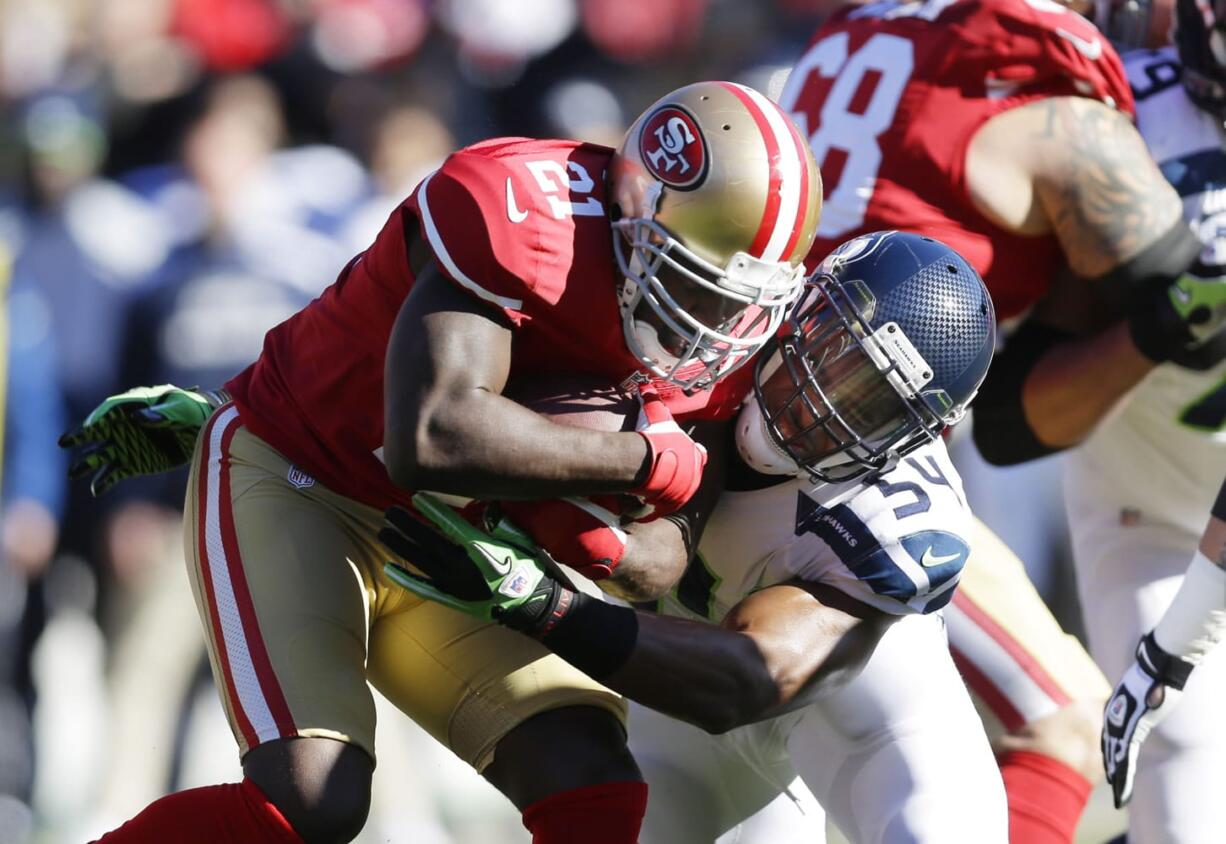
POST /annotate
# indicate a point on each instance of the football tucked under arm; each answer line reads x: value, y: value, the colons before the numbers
x: 599, y: 536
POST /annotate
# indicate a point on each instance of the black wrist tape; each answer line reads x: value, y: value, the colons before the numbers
x: 595, y: 637
x: 1167, y: 668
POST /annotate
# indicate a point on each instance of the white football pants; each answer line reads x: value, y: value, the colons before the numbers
x: 1128, y: 569
x: 897, y: 756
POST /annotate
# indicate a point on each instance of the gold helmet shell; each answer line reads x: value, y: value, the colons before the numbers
x: 717, y: 202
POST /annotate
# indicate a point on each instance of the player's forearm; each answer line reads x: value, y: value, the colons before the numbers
x: 1075, y: 384
x: 714, y: 678
x: 1195, y: 622
x: 657, y: 552
x: 654, y: 559
x: 482, y: 445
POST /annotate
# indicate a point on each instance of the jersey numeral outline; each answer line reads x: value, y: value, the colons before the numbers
x: 552, y: 178
x: 854, y: 133
x: 1159, y: 75
x: 930, y: 471
x: 921, y: 504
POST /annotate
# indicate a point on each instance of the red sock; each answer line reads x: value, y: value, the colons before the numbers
x: 1046, y: 798
x: 218, y: 814
x: 610, y: 813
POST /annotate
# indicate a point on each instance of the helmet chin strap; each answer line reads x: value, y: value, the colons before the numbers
x: 755, y: 445
x: 650, y: 345
x: 758, y: 450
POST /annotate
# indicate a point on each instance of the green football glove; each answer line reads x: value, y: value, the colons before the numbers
x: 500, y: 574
x: 141, y: 432
x: 1185, y: 323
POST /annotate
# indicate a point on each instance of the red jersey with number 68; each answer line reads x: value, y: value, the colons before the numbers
x: 522, y: 225
x: 890, y: 95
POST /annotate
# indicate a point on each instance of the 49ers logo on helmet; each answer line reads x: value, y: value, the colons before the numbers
x: 673, y: 148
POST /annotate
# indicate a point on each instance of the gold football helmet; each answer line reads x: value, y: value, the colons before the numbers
x: 717, y: 200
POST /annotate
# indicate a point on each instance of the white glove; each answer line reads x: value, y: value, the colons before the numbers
x: 1149, y: 691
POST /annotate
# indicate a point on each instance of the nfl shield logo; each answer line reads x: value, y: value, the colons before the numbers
x: 299, y: 478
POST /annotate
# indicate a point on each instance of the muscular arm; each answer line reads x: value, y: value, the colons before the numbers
x: 776, y: 650
x: 1077, y: 169
x: 448, y: 428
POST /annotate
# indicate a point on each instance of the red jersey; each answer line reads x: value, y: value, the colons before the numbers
x: 891, y: 94
x: 522, y: 225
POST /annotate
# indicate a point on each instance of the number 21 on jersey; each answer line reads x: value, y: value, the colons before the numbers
x: 862, y: 91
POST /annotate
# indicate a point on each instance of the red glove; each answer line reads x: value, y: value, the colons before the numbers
x: 676, y: 460
x: 580, y: 532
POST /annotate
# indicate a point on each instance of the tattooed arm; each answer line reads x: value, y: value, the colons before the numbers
x: 1075, y: 168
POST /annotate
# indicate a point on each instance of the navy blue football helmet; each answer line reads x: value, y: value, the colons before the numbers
x: 886, y: 349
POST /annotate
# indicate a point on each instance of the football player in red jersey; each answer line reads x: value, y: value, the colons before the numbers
x: 666, y: 263
x: 1002, y: 127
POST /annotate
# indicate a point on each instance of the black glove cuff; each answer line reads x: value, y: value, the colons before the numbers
x: 538, y: 615
x: 595, y: 637
x: 1166, y: 668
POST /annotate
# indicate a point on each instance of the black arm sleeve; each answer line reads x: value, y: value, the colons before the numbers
x: 1001, y: 431
x: 1132, y: 284
x: 999, y: 425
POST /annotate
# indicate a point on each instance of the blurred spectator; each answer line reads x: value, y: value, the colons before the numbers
x: 407, y: 144
x: 31, y: 505
x: 358, y: 35
x: 233, y: 34
x: 643, y: 30
x: 256, y: 239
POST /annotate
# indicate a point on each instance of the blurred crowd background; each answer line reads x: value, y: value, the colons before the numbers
x: 176, y: 177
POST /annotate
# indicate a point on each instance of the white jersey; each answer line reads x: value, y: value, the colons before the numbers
x: 897, y: 543
x: 1162, y: 452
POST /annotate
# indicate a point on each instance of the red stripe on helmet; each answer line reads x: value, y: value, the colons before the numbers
x: 770, y: 214
x: 802, y: 205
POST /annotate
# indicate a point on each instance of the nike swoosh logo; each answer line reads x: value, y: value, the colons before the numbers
x: 1184, y: 296
x: 502, y: 566
x: 1092, y: 50
x: 930, y: 559
x: 514, y: 214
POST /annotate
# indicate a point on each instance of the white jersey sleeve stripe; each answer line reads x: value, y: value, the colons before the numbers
x: 435, y: 239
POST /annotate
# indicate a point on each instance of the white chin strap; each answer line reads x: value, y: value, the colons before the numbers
x: 651, y: 347
x: 755, y: 446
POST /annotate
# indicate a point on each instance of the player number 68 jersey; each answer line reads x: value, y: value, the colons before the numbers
x: 897, y: 543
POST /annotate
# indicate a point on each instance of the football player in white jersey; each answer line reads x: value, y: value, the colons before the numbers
x: 1187, y: 633
x: 802, y: 638
x: 1138, y: 488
